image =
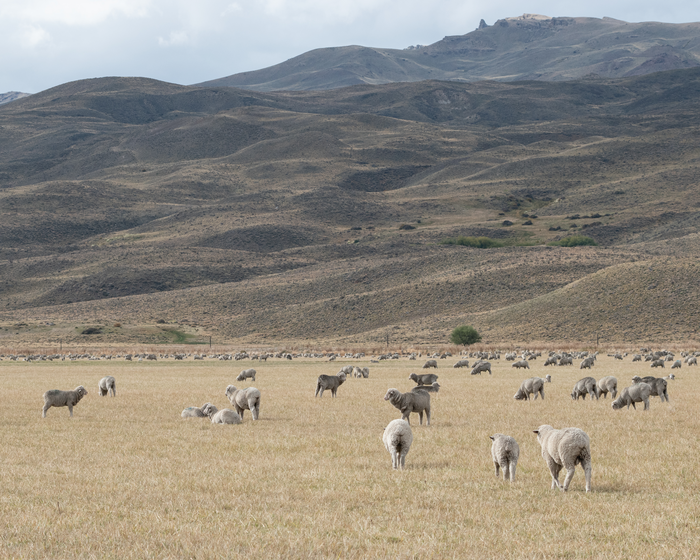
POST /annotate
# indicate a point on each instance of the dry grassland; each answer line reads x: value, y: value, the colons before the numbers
x: 128, y: 478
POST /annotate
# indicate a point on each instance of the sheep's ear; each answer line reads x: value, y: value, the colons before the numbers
x: 490, y: 437
x: 536, y: 432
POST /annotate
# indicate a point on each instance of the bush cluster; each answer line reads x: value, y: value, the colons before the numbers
x: 574, y: 241
x: 478, y: 242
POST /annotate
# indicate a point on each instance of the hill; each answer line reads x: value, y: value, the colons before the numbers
x: 312, y: 218
x: 529, y: 47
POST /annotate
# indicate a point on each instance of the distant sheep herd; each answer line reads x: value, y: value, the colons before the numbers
x: 561, y: 448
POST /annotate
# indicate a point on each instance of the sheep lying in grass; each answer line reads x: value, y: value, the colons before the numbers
x: 397, y: 439
x: 565, y: 448
x: 659, y: 386
x: 505, y: 452
x: 481, y: 366
x: 246, y: 374
x: 244, y: 399
x: 430, y: 364
x: 418, y: 401
x: 423, y: 378
x: 585, y: 386
x: 434, y: 388
x: 224, y: 416
x: 108, y: 385
x: 58, y: 398
x: 195, y: 412
x: 331, y: 382
x: 521, y: 364
x: 639, y: 392
x: 532, y: 386
x: 607, y: 384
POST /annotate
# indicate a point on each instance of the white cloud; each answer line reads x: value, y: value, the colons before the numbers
x: 32, y: 36
x: 72, y: 12
x: 176, y: 38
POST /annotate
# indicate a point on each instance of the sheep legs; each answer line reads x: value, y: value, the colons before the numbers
x: 43, y: 410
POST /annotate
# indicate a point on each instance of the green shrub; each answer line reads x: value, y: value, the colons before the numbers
x: 574, y: 241
x: 465, y: 335
x: 478, y: 242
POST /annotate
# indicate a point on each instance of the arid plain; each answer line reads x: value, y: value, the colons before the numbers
x: 126, y: 477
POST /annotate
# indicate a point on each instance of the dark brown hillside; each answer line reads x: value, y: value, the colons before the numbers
x: 318, y: 216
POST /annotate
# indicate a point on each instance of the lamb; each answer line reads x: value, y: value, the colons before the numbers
x: 584, y: 386
x: 434, y: 388
x: 481, y: 366
x: 607, y: 384
x: 461, y: 364
x: 565, y: 448
x: 58, y: 398
x: 505, y: 452
x: 224, y: 416
x: 429, y: 364
x: 397, y: 439
x: 521, y: 364
x: 195, y: 412
x: 532, y: 386
x: 639, y: 392
x: 418, y: 401
x: 331, y: 382
x: 108, y: 385
x: 423, y: 378
x: 246, y: 374
x: 659, y: 386
x: 244, y: 399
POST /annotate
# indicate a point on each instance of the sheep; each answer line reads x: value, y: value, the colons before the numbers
x: 639, y: 392
x: 607, y: 384
x: 692, y: 361
x: 365, y: 373
x: 331, y: 382
x: 434, y: 388
x: 505, y: 452
x: 551, y: 361
x: 566, y: 361
x: 356, y: 372
x: 676, y: 365
x: 521, y: 364
x: 246, y: 374
x: 669, y: 376
x: 658, y: 363
x: 565, y: 448
x: 547, y: 378
x: 423, y: 378
x: 108, y: 385
x: 224, y: 416
x: 418, y: 401
x: 532, y: 386
x: 57, y: 398
x: 430, y: 364
x: 481, y: 366
x: 584, y: 386
x: 461, y: 364
x: 659, y: 386
x: 587, y: 363
x: 195, y: 412
x: 244, y: 399
x: 397, y: 439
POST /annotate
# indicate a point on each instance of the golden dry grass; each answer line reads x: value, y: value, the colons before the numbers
x: 128, y: 478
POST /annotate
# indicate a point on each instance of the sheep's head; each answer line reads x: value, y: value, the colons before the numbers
x: 636, y: 379
x: 617, y: 403
x: 230, y: 390
x: 413, y: 377
x: 82, y: 391
x: 520, y: 396
x: 391, y: 394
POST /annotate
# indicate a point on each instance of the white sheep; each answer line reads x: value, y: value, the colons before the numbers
x: 565, y: 448
x: 57, y: 398
x: 224, y: 416
x: 244, y: 399
x: 108, y: 385
x: 246, y: 374
x: 195, y: 412
x: 607, y: 384
x: 505, y: 452
x: 397, y: 439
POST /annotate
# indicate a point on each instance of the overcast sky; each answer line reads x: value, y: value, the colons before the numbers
x: 49, y: 42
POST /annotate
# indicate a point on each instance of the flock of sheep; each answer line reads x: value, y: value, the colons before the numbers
x: 561, y: 449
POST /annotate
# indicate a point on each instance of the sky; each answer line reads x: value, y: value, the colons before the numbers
x: 45, y: 43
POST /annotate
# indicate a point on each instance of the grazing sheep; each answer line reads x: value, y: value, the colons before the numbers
x: 224, y: 416
x: 659, y: 386
x: 331, y: 382
x: 658, y: 363
x: 434, y: 388
x: 551, y: 361
x: 676, y: 365
x: 566, y: 361
x: 423, y: 378
x: 58, y: 398
x: 108, y: 385
x: 244, y: 399
x: 481, y: 366
x: 397, y: 439
x: 637, y: 358
x: 585, y: 386
x: 565, y: 448
x: 521, y: 364
x: 532, y: 386
x: 418, y: 401
x: 246, y: 374
x: 461, y: 364
x: 607, y: 384
x: 195, y: 412
x: 429, y: 364
x: 357, y: 372
x: 692, y: 361
x: 639, y: 392
x: 365, y: 373
x: 587, y: 363
x: 505, y: 452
